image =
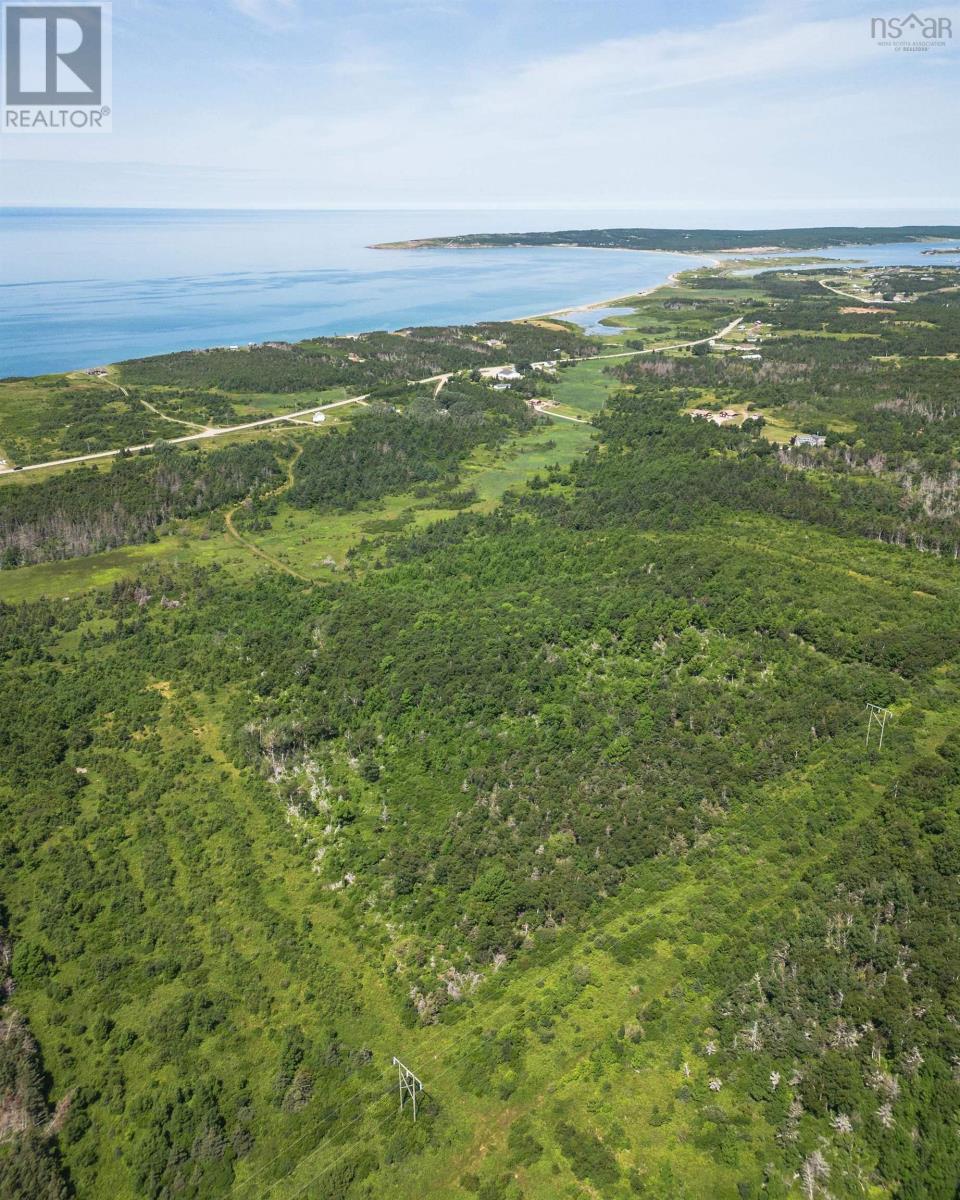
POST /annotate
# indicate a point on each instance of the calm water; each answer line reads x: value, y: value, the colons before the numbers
x: 81, y: 287
x: 591, y: 320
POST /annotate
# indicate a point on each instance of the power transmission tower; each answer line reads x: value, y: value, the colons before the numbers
x: 877, y: 716
x: 409, y: 1085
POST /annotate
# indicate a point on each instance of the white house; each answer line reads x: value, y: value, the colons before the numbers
x: 319, y: 418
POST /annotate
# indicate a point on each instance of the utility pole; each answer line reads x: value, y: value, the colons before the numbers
x: 409, y: 1085
x: 877, y: 716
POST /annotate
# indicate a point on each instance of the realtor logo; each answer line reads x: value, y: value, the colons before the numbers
x: 56, y: 68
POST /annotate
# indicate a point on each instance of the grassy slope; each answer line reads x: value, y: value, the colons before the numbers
x: 737, y: 884
x: 252, y: 852
x: 576, y: 1064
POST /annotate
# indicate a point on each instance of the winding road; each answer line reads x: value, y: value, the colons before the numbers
x: 252, y: 546
x: 218, y: 431
x: 296, y: 417
x: 850, y: 295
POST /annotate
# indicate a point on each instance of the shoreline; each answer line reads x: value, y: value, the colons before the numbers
x: 437, y: 243
x: 701, y: 259
x: 672, y: 280
x: 668, y: 281
x: 428, y: 244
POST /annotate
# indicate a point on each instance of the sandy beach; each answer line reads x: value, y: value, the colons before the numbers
x: 671, y: 280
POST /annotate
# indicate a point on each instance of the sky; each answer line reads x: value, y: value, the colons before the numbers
x: 659, y: 107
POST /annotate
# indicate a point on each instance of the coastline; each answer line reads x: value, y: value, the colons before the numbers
x: 438, y: 243
x: 672, y: 280
x: 697, y: 260
x: 429, y: 244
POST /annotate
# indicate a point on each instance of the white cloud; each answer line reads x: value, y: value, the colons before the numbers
x: 768, y: 110
x: 278, y: 14
x: 737, y: 53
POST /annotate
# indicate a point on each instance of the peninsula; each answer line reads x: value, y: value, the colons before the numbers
x: 693, y: 241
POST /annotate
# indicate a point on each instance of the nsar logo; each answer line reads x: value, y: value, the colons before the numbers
x: 911, y: 32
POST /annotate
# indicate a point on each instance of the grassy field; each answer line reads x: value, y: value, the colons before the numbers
x: 51, y: 416
x: 583, y: 389
x: 300, y: 539
x: 72, y: 576
x: 61, y: 416
x: 249, y: 406
x: 304, y: 540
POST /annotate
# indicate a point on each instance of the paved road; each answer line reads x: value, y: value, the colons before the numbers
x: 676, y: 346
x: 308, y: 412
x: 864, y: 300
x: 189, y: 437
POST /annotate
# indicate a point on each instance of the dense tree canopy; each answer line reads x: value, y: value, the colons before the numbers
x: 570, y: 797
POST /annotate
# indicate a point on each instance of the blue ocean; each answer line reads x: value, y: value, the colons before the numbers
x: 79, y: 287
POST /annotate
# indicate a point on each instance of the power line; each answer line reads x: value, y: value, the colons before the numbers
x: 437, y: 1075
x: 340, y: 1157
x: 445, y: 1070
x: 409, y: 1085
x: 878, y: 716
x: 486, y: 1017
x: 356, y: 1098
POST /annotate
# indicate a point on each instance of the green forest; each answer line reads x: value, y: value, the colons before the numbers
x: 86, y: 510
x: 570, y: 800
x: 358, y: 363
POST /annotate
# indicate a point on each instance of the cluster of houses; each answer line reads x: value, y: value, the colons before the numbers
x: 748, y: 349
x: 717, y: 417
x: 808, y: 439
x: 505, y: 376
x: 249, y: 346
x: 96, y: 372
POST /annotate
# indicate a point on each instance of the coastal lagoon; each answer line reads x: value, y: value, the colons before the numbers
x: 79, y: 287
